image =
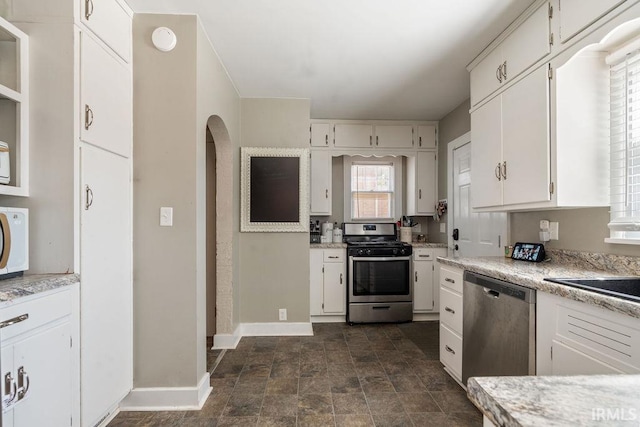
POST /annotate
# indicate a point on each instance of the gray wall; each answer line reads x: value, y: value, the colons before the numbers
x: 169, y: 170
x: 274, y: 267
x: 453, y: 125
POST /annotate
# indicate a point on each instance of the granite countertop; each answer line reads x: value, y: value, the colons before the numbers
x: 328, y: 245
x: 31, y: 284
x: 532, y: 275
x: 428, y: 245
x: 585, y: 400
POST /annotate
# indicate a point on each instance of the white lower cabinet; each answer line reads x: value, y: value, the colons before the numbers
x: 328, y: 281
x: 450, y: 282
x: 425, y: 280
x: 36, y: 357
x: 576, y: 338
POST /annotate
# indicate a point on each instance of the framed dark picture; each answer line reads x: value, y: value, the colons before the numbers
x: 274, y: 189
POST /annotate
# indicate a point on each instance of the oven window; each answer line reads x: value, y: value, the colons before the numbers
x: 381, y: 278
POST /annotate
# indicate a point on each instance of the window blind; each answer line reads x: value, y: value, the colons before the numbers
x: 625, y: 147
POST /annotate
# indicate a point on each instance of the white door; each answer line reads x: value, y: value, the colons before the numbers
x: 106, y: 291
x: 477, y: 233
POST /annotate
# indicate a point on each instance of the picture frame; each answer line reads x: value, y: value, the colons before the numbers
x: 274, y: 190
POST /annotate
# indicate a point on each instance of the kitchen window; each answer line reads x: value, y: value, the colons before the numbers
x: 373, y: 188
x: 625, y: 145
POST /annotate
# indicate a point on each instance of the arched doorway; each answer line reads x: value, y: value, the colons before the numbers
x: 219, y: 225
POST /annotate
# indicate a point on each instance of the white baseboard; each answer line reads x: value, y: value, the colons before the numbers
x: 227, y: 341
x: 329, y: 319
x: 168, y: 398
x: 276, y: 329
x: 425, y: 317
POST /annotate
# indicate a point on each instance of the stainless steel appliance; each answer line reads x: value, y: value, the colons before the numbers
x: 14, y: 242
x: 379, y: 274
x: 499, y: 328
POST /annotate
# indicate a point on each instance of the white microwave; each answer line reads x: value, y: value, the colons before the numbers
x: 14, y: 242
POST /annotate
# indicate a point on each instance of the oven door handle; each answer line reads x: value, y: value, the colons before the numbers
x: 380, y: 258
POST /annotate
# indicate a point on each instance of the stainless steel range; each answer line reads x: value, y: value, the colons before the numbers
x: 379, y: 274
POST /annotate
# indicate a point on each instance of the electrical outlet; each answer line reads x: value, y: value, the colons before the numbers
x: 417, y: 228
x: 282, y: 314
x: 553, y: 230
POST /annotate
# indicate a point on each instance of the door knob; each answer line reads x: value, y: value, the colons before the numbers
x: 456, y: 234
x: 455, y: 247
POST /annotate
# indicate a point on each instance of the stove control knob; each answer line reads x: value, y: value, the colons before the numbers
x: 395, y: 251
x: 360, y: 251
x: 403, y: 251
x: 368, y: 251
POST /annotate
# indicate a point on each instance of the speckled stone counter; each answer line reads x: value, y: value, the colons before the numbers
x: 532, y: 275
x: 31, y: 284
x: 429, y: 245
x: 328, y: 245
x: 593, y: 400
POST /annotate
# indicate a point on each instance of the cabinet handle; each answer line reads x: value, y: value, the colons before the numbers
x: 88, y: 9
x: 420, y: 193
x: 449, y: 280
x: 424, y: 256
x: 15, y: 320
x: 420, y: 141
x: 22, y: 379
x: 88, y: 197
x: 333, y: 257
x: 370, y: 140
x: 450, y: 310
x: 416, y: 273
x: 498, y: 172
x: 504, y: 170
x: 499, y: 73
x: 326, y: 139
x: 326, y: 193
x: 449, y: 349
x: 376, y: 140
x: 10, y: 390
x: 88, y: 117
x: 341, y: 278
x: 504, y: 70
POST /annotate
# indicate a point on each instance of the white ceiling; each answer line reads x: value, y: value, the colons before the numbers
x: 355, y: 59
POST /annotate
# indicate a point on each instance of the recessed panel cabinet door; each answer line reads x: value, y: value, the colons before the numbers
x: 426, y: 182
x: 109, y: 21
x: 335, y: 282
x: 320, y: 182
x: 106, y: 291
x: 576, y: 15
x: 423, y: 294
x: 394, y: 136
x: 486, y: 154
x: 105, y: 98
x: 525, y: 140
x: 353, y: 135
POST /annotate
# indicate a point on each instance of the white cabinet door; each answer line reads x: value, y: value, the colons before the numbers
x: 427, y: 136
x: 527, y: 44
x: 320, y: 134
x: 316, y: 279
x: 109, y: 21
x: 525, y: 140
x: 427, y: 170
x: 334, y: 288
x: 105, y: 98
x: 568, y: 361
x: 485, y: 77
x: 576, y: 15
x: 353, y: 135
x: 486, y: 154
x: 320, y: 182
x: 394, y: 136
x: 46, y: 359
x: 106, y: 291
x: 423, y: 293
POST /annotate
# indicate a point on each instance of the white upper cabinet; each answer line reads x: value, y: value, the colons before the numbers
x: 422, y: 171
x: 486, y: 154
x: 321, y: 135
x: 527, y: 44
x: 105, y: 93
x: 394, y: 136
x: 576, y: 15
x: 427, y: 136
x: 320, y: 182
x: 109, y: 21
x: 353, y: 135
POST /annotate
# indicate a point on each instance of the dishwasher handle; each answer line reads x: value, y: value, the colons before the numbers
x: 495, y: 287
x: 491, y: 293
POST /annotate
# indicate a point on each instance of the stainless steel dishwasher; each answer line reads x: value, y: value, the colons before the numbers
x: 499, y: 328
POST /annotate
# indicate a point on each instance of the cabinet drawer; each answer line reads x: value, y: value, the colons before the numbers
x: 42, y: 310
x: 451, y: 309
x: 451, y: 350
x: 333, y: 255
x: 423, y: 254
x: 451, y: 278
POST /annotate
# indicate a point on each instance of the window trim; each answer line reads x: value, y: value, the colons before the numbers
x: 398, y: 189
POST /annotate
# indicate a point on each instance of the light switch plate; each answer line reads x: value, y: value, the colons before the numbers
x: 166, y: 217
x: 443, y: 227
x: 553, y: 230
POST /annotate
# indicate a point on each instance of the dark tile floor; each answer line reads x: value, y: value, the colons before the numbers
x: 371, y: 375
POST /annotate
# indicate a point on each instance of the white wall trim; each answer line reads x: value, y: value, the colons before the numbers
x: 168, y: 398
x: 340, y: 318
x: 276, y: 329
x: 426, y: 317
x: 227, y: 341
